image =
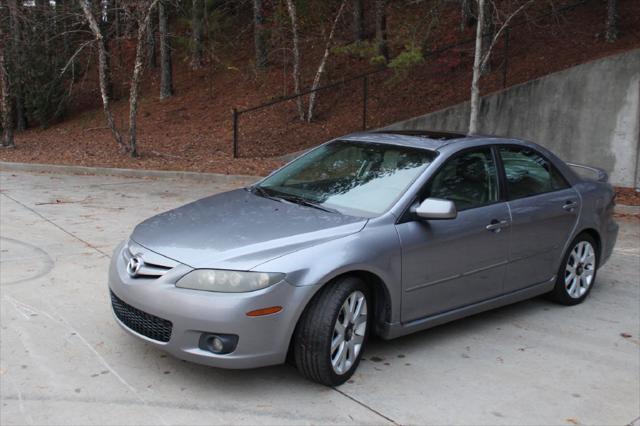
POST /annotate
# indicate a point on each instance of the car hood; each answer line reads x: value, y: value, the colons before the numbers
x: 239, y: 230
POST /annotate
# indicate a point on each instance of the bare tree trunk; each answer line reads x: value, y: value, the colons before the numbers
x: 316, y: 80
x: 475, y: 83
x: 197, y: 8
x: 358, y: 20
x: 127, y: 9
x: 151, y: 46
x: 296, y: 56
x: 381, y: 29
x: 612, y: 21
x: 102, y: 67
x: 17, y: 63
x: 465, y: 14
x: 103, y: 8
x: 5, y: 99
x: 166, y: 71
x: 143, y: 25
x: 488, y: 31
x: 481, y: 58
x: 259, y: 34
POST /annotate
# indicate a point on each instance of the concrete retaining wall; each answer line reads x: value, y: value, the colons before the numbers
x: 587, y: 114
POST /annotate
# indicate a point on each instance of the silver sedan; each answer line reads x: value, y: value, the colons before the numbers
x: 382, y: 233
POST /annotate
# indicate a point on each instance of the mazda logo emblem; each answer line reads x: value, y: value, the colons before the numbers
x: 134, y: 265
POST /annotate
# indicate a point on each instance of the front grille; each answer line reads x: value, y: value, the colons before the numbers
x: 152, y: 264
x: 141, y: 322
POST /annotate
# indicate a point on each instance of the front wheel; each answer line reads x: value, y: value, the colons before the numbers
x: 332, y: 332
x: 577, y: 272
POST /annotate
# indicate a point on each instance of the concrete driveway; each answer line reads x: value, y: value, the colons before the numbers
x: 65, y: 361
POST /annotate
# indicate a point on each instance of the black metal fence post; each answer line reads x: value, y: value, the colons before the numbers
x: 506, y: 57
x: 235, y: 133
x: 365, y: 95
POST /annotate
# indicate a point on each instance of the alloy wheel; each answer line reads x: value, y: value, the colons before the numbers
x: 348, y: 332
x: 580, y: 269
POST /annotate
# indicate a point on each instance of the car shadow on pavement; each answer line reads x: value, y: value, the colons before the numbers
x: 378, y: 350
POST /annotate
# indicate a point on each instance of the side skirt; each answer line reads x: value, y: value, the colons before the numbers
x: 393, y: 330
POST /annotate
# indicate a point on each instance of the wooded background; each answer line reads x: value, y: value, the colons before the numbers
x: 48, y: 48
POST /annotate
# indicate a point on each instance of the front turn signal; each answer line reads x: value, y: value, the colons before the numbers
x: 264, y: 311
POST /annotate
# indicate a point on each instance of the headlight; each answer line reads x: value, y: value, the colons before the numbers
x: 228, y: 281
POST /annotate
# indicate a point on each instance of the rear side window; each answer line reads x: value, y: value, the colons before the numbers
x: 529, y: 173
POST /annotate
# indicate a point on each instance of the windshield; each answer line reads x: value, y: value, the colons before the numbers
x: 355, y: 178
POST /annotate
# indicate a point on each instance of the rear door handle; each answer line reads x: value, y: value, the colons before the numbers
x: 570, y: 205
x: 496, y: 225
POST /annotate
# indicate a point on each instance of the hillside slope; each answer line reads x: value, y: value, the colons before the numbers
x: 193, y: 129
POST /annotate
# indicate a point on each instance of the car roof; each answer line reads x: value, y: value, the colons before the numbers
x: 449, y: 142
x: 425, y: 139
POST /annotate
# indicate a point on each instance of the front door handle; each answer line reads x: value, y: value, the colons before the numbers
x: 570, y: 205
x: 496, y: 225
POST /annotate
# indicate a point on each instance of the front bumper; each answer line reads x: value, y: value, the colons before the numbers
x: 261, y: 340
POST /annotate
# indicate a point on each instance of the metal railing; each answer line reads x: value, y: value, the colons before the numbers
x: 365, y: 93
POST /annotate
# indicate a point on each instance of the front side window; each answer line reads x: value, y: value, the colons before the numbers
x: 469, y: 180
x: 529, y: 173
x: 356, y: 178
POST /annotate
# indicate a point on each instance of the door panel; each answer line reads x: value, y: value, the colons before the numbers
x: 544, y: 210
x: 540, y: 227
x: 452, y: 263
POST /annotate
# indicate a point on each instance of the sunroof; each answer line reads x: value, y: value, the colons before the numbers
x: 425, y: 134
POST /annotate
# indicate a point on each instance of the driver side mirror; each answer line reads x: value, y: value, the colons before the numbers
x: 436, y: 208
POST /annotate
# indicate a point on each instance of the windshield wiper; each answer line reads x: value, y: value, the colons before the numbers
x: 273, y: 194
x: 305, y: 202
x: 261, y: 192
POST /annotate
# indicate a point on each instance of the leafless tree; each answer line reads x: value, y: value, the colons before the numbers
x: 166, y: 66
x: 308, y: 116
x: 259, y: 34
x: 152, y: 61
x: 381, y: 29
x: 144, y: 18
x: 488, y: 30
x: 17, y: 63
x: 465, y: 19
x: 358, y: 20
x: 103, y: 8
x: 102, y: 70
x: 5, y: 100
x: 481, y: 57
x: 291, y: 8
x: 612, y: 21
x: 197, y: 9
x: 475, y: 82
x: 323, y: 62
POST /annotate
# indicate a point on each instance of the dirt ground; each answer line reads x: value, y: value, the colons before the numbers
x: 192, y: 131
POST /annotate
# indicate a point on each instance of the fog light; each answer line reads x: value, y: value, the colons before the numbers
x: 218, y: 344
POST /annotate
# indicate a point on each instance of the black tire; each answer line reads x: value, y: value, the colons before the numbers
x: 560, y: 293
x: 314, y: 332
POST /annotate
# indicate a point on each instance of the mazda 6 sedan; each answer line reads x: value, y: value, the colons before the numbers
x: 383, y: 233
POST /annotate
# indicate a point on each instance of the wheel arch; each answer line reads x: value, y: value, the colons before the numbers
x: 382, y: 305
x: 593, y: 233
x: 379, y: 292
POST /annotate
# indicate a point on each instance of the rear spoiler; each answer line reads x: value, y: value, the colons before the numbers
x: 589, y: 172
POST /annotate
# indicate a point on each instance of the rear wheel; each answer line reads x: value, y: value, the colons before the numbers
x: 577, y: 272
x: 332, y: 333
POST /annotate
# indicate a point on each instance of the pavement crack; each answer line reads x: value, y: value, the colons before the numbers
x: 362, y: 404
x: 46, y: 219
